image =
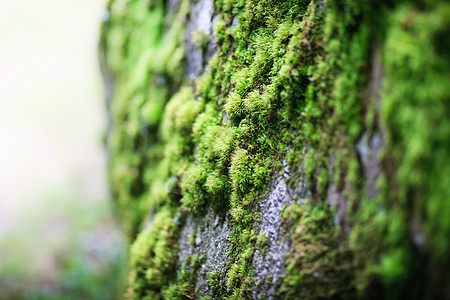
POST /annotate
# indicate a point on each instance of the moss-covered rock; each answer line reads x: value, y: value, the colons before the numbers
x: 308, y: 140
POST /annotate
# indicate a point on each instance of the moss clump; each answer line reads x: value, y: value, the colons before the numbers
x: 262, y: 243
x: 420, y: 129
x: 317, y: 267
x: 184, y: 286
x: 215, y: 283
x: 414, y: 102
x: 132, y: 37
x: 153, y: 257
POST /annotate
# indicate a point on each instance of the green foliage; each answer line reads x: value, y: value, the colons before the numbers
x: 83, y: 257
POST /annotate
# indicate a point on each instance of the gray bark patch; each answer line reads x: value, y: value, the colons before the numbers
x: 268, y: 263
x: 200, y: 23
x: 207, y: 238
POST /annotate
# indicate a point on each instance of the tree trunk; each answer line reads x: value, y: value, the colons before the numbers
x: 281, y: 149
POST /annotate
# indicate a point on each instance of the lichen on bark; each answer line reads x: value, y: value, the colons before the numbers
x: 312, y: 134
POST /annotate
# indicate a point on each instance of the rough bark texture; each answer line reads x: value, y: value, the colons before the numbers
x: 281, y: 149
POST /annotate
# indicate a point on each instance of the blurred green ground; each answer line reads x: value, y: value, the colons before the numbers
x: 58, y: 239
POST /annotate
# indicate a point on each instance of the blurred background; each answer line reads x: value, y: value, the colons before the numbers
x: 58, y: 237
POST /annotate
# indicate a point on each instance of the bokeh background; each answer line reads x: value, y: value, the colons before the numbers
x: 58, y: 237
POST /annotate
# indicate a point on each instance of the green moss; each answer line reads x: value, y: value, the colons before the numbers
x: 142, y: 88
x: 184, y: 288
x: 292, y: 81
x: 420, y: 130
x: 153, y: 257
x: 316, y: 268
x: 215, y: 283
x: 262, y: 243
x: 418, y: 138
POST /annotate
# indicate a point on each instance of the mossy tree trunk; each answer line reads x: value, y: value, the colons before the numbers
x: 281, y: 149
